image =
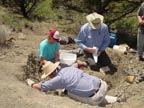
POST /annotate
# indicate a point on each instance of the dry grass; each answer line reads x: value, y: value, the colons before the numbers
x: 4, y: 33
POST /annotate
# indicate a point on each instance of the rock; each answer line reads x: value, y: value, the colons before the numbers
x: 121, y: 48
x: 130, y: 79
x: 22, y: 36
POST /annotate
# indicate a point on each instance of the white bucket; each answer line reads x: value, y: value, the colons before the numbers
x: 121, y: 49
x: 67, y: 58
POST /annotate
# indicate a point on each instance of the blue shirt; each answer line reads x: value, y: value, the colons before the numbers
x: 89, y: 37
x: 47, y: 50
x: 74, y: 80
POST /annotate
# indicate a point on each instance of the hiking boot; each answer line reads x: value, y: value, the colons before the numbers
x: 30, y: 82
x: 104, y: 70
x: 141, y: 58
x: 121, y: 99
x: 140, y: 77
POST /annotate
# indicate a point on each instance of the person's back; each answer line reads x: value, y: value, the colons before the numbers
x: 80, y: 86
x: 78, y: 82
x: 47, y: 50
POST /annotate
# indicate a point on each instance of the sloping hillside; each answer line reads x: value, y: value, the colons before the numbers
x: 16, y: 94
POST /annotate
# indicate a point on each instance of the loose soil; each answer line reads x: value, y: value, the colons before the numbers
x: 16, y: 94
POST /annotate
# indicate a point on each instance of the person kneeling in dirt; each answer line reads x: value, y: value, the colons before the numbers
x: 79, y: 85
x: 93, y: 36
x: 49, y: 48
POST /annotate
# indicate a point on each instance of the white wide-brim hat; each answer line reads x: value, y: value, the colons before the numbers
x: 49, y: 68
x: 95, y: 20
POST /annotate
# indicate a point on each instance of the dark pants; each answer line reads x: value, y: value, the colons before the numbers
x: 103, y: 60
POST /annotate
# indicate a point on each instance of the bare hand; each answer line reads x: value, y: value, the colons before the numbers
x: 90, y: 50
x: 99, y: 53
x: 141, y: 23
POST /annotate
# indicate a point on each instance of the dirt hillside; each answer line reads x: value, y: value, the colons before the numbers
x: 16, y: 94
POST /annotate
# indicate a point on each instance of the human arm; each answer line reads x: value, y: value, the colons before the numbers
x: 86, y: 48
x: 106, y: 39
x: 141, y: 22
x: 89, y: 49
x: 57, y: 56
x: 83, y: 37
x: 92, y: 50
x: 36, y: 86
x: 43, y: 51
x: 52, y: 84
x: 140, y: 14
x: 43, y: 60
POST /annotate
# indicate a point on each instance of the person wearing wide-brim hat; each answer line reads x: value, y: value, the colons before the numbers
x: 49, y: 47
x: 80, y: 85
x: 94, y: 38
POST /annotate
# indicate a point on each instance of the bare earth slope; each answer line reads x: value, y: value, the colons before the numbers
x: 14, y: 93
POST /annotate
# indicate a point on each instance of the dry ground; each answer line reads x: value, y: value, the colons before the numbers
x: 14, y: 93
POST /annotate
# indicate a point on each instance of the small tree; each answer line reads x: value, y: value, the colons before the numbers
x: 28, y: 6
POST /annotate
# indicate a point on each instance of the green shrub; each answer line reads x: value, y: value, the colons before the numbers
x: 44, y: 11
x: 127, y: 31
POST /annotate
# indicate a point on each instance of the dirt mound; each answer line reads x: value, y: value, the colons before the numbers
x: 33, y: 67
x: 126, y: 64
x: 16, y: 94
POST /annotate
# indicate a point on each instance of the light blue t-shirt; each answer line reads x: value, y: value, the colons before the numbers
x: 47, y: 50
